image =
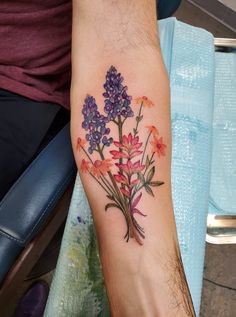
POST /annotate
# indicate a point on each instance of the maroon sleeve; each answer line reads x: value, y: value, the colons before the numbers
x: 35, y: 44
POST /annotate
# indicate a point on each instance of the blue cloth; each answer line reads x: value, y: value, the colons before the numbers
x: 223, y: 176
x: 189, y: 56
x: 78, y: 288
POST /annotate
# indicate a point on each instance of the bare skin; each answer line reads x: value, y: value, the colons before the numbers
x: 143, y: 276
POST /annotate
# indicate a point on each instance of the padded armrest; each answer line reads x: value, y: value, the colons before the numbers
x: 31, y: 199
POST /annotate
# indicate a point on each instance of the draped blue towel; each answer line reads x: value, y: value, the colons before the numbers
x: 223, y: 176
x: 189, y: 57
x: 78, y: 288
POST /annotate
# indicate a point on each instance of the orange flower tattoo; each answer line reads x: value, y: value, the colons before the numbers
x: 152, y: 129
x: 80, y: 143
x: 145, y: 101
x: 85, y: 166
x: 100, y: 168
x: 158, y: 146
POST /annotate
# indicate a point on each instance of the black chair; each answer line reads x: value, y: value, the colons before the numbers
x: 32, y: 212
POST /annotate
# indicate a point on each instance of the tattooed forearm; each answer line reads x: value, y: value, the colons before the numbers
x: 124, y: 167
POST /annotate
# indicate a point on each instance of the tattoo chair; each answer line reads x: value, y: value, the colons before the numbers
x: 31, y: 213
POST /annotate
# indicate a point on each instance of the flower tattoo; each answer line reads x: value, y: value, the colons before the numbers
x: 127, y: 168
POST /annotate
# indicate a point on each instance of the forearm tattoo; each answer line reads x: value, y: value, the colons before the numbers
x: 123, y: 167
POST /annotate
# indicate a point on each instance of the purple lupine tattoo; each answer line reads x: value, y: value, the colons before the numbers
x: 128, y: 169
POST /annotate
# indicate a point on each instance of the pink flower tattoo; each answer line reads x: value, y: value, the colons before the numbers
x: 128, y: 168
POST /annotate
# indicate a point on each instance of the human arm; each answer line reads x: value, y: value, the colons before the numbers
x: 126, y: 171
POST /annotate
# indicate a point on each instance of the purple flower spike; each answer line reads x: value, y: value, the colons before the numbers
x: 95, y: 124
x: 117, y: 101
